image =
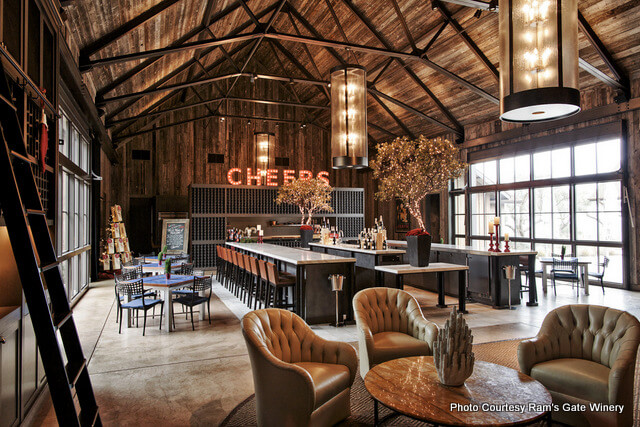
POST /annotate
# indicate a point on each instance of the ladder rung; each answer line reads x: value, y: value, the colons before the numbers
x: 8, y: 103
x: 35, y: 212
x: 74, y: 370
x: 88, y: 417
x: 21, y: 157
x: 59, y: 320
x: 48, y: 267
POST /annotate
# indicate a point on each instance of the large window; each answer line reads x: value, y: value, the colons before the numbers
x: 567, y: 195
x: 74, y: 206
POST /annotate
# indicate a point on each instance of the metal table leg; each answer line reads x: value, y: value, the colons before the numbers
x: 440, y: 278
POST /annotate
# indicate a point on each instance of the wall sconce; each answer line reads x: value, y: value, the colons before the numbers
x: 265, y: 144
x: 538, y: 60
x: 349, y: 147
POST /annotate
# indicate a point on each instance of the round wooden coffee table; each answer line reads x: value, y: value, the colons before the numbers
x: 493, y: 395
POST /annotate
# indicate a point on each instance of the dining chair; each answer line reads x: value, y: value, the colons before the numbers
x: 600, y: 274
x: 278, y: 283
x: 130, y: 289
x: 198, y: 296
x: 127, y: 275
x: 566, y: 270
x: 186, y: 269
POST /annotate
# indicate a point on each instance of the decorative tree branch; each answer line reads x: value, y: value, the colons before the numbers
x: 412, y: 169
x: 310, y: 195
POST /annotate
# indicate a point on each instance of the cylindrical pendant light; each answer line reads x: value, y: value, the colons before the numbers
x: 265, y: 142
x: 538, y: 60
x: 349, y: 117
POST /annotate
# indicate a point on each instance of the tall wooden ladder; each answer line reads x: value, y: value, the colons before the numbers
x: 55, y: 329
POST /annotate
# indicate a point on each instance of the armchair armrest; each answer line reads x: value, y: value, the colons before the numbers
x: 533, y: 351
x: 365, y: 344
x: 423, y: 329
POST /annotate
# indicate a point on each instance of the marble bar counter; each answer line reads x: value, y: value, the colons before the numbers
x: 313, y: 297
x: 367, y: 260
x: 486, y: 282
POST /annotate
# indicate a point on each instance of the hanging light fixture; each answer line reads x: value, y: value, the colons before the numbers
x: 538, y: 60
x: 265, y: 142
x: 349, y: 117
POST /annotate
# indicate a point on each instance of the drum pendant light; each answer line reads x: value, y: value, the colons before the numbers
x: 538, y: 60
x: 349, y: 117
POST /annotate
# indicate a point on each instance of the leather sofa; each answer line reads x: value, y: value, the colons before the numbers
x: 300, y: 379
x: 585, y: 354
x: 390, y: 326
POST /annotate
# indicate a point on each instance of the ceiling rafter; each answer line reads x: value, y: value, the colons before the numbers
x: 435, y: 37
x: 357, y: 12
x: 125, y: 28
x: 405, y: 27
x: 467, y: 39
x: 399, y: 122
x: 147, y: 63
x: 619, y: 74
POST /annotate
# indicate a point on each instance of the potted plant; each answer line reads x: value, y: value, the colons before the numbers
x: 310, y: 195
x: 167, y: 268
x: 418, y: 247
x: 410, y: 169
x: 162, y: 254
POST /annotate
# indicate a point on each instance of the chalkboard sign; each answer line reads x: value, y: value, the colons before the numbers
x: 175, y: 235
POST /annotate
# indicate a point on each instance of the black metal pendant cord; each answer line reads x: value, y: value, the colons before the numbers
x: 37, y: 264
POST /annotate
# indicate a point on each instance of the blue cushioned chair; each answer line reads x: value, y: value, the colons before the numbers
x: 600, y: 274
x: 566, y: 270
x: 131, y: 274
x: 130, y: 289
x: 200, y: 284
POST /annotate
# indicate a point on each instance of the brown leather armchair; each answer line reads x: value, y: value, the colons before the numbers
x: 583, y: 354
x: 300, y: 379
x: 390, y: 325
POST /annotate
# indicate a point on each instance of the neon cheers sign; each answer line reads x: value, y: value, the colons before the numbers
x: 271, y: 177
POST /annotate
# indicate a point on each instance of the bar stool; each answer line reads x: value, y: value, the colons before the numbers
x: 248, y: 279
x: 278, y: 283
x: 235, y: 272
x: 254, y: 290
x: 219, y: 262
x: 226, y: 254
x: 264, y: 282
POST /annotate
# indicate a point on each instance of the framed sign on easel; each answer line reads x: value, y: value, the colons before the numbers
x: 175, y: 235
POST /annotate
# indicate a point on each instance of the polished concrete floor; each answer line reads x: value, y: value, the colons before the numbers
x: 196, y: 377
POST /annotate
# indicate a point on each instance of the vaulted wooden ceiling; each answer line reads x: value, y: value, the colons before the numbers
x: 432, y: 65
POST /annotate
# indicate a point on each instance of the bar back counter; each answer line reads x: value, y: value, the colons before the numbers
x: 486, y: 282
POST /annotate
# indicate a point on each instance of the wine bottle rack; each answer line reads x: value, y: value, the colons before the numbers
x: 210, y: 206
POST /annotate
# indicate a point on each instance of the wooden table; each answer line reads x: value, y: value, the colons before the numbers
x: 583, y: 266
x: 315, y: 301
x: 435, y: 267
x: 410, y: 387
x: 152, y: 267
x: 165, y: 286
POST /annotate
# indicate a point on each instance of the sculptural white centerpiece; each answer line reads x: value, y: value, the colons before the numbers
x: 452, y: 353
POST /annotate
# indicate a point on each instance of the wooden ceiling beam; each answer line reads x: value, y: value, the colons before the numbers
x: 620, y: 76
x: 125, y: 28
x: 435, y: 37
x: 213, y: 100
x: 405, y: 27
x: 399, y: 122
x: 379, y: 76
x: 88, y: 65
x: 254, y: 49
x: 467, y: 39
x: 128, y: 136
x: 386, y: 52
x: 381, y: 129
x: 146, y: 64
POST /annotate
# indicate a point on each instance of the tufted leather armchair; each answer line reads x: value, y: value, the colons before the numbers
x: 583, y: 354
x: 390, y: 326
x: 300, y: 379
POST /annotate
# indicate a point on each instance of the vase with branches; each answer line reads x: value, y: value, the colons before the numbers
x: 310, y: 195
x: 410, y: 169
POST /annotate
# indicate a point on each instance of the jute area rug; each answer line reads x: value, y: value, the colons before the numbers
x: 500, y: 352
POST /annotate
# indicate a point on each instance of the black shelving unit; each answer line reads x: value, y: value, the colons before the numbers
x: 210, y: 207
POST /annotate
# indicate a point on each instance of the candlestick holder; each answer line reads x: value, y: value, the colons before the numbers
x: 491, y: 243
x: 506, y: 246
x: 260, y: 239
x: 497, y: 238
